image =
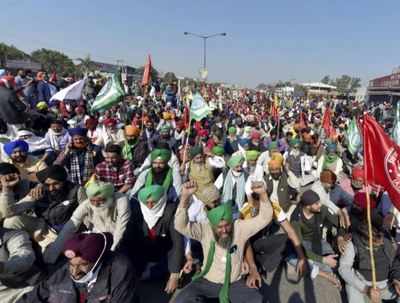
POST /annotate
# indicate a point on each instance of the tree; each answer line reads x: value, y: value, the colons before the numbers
x: 347, y: 85
x: 326, y: 80
x: 85, y: 65
x: 10, y: 52
x: 262, y: 86
x: 52, y: 60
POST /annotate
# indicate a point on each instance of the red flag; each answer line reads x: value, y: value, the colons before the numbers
x: 327, y: 123
x: 274, y: 111
x: 53, y: 78
x: 147, y: 72
x: 303, y: 119
x: 381, y: 159
x: 186, y: 117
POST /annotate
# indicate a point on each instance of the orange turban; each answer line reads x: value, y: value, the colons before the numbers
x: 132, y: 131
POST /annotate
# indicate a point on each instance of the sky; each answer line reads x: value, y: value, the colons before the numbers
x: 266, y: 40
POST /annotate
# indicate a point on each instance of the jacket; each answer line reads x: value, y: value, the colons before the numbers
x: 12, y: 111
x: 115, y: 283
x: 168, y: 242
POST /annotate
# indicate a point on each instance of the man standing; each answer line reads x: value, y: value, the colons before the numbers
x: 223, y: 243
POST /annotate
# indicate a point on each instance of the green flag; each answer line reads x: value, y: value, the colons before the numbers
x: 353, y: 137
x: 396, y: 126
x: 199, y: 108
x: 109, y: 95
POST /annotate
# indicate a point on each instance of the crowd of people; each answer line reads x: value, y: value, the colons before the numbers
x: 92, y: 203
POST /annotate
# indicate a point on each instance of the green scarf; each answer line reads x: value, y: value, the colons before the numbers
x: 167, y: 181
x: 224, y: 292
x: 329, y: 160
x: 127, y: 150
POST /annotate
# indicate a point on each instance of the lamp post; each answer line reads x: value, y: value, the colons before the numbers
x: 204, y: 37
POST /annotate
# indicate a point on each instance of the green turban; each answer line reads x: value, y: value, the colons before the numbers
x: 222, y: 212
x: 294, y: 142
x: 218, y: 150
x: 273, y: 146
x: 98, y: 188
x: 162, y: 153
x: 232, y: 130
x: 195, y: 150
x: 235, y: 161
x: 153, y: 191
x: 252, y: 155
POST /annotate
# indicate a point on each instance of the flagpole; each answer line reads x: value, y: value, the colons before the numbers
x: 371, y: 250
x: 370, y: 240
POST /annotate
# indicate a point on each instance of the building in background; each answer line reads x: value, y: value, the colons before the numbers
x: 319, y: 89
x: 385, y: 88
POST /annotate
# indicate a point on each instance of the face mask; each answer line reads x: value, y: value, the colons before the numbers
x: 88, y: 277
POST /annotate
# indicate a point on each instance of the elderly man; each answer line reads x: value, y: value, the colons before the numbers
x: 223, y: 243
x: 282, y: 184
x: 28, y: 166
x: 103, y: 211
x: 80, y: 157
x: 152, y: 230
x: 115, y: 169
x: 232, y: 183
x: 160, y: 173
x: 93, y: 274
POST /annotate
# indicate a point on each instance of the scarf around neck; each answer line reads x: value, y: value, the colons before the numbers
x: 224, y: 292
x: 229, y: 186
x: 152, y: 215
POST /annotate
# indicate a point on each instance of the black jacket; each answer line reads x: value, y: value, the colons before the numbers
x: 12, y: 110
x: 167, y: 243
x: 115, y: 283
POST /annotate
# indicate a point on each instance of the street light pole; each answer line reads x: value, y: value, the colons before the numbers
x: 204, y: 37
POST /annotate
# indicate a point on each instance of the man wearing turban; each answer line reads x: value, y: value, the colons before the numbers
x: 282, y: 184
x: 232, y: 183
x: 223, y: 241
x: 104, y: 211
x: 92, y: 273
x: 152, y: 230
x: 17, y: 152
x: 160, y: 173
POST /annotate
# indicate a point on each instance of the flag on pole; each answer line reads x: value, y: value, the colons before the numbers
x: 199, y: 108
x: 396, y: 126
x: 147, y: 72
x: 353, y: 137
x: 71, y: 92
x: 381, y: 159
x: 109, y: 95
x: 303, y: 119
x: 327, y: 123
x: 275, y: 108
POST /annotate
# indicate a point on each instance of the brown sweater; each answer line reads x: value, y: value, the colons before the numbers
x: 243, y: 230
